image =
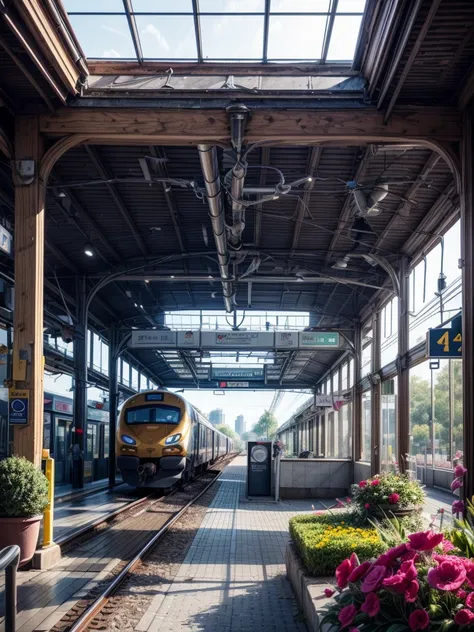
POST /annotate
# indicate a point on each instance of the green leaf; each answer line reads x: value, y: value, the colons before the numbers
x: 397, y: 627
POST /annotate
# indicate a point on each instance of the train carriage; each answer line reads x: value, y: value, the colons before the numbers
x: 162, y: 439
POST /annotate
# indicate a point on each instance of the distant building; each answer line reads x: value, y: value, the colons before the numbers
x: 217, y: 417
x: 239, y: 425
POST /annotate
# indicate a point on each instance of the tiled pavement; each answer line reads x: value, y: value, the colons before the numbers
x: 233, y: 578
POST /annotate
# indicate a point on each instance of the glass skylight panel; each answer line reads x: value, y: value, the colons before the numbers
x: 231, y: 6
x: 167, y: 36
x: 232, y: 37
x: 351, y: 6
x: 296, y: 37
x: 94, y: 6
x: 162, y: 6
x: 299, y: 6
x: 345, y: 34
x: 104, y: 36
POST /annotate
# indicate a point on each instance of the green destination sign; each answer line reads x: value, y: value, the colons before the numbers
x: 319, y: 339
x: 237, y: 374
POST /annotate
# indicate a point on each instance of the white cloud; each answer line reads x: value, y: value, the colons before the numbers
x: 150, y: 29
x: 112, y: 30
x: 110, y: 54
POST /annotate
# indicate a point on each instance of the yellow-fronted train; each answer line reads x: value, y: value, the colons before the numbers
x: 162, y: 439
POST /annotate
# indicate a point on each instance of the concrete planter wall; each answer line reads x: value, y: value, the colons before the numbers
x: 309, y: 591
x: 315, y: 478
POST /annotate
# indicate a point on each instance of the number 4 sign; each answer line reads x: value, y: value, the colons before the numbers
x: 444, y: 342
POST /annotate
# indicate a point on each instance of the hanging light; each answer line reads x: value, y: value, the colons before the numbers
x: 89, y: 250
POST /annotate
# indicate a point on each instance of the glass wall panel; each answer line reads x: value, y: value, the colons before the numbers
x: 366, y: 360
x: 389, y: 419
x: 366, y: 440
x: 389, y: 332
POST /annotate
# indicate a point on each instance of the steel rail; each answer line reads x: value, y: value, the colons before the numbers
x: 98, y: 604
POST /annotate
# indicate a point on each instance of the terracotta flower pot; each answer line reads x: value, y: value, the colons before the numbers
x: 21, y: 531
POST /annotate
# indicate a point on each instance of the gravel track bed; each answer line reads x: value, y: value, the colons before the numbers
x: 125, y: 609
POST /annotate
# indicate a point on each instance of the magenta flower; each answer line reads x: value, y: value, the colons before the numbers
x: 347, y: 616
x: 449, y: 575
x: 411, y: 593
x: 424, y: 540
x: 375, y: 482
x: 409, y: 570
x: 359, y: 572
x: 398, y: 583
x: 343, y: 571
x: 328, y: 592
x: 459, y: 471
x: 393, y: 499
x: 447, y: 546
x: 469, y: 600
x: 363, y: 484
x: 418, y: 620
x: 458, y: 506
x: 464, y: 617
x: 462, y: 594
x: 371, y: 605
x: 388, y: 558
x: 367, y: 505
x: 373, y: 579
x: 456, y: 484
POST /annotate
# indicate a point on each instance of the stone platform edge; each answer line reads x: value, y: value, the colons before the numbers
x: 309, y: 591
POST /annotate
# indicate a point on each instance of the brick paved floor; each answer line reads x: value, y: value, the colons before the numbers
x: 233, y: 578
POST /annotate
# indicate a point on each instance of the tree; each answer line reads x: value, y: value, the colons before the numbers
x: 421, y: 434
x: 266, y: 426
x: 227, y: 430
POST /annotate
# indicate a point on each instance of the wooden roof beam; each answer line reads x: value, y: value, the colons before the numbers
x: 314, y: 156
x: 98, y: 164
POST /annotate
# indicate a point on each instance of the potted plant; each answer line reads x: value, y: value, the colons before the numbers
x: 23, y: 498
x: 388, y: 493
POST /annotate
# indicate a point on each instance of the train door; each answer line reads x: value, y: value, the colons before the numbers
x: 103, y: 464
x: 92, y: 452
x: 62, y: 451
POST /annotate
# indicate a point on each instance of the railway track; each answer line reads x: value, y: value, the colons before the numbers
x: 81, y: 616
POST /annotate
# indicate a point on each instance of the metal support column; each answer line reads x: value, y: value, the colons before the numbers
x: 467, y: 250
x: 376, y: 395
x: 80, y: 387
x: 356, y: 398
x: 403, y: 372
x: 113, y: 400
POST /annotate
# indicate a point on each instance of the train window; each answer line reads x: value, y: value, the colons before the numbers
x: 153, y: 415
x: 106, y: 442
x: 92, y: 442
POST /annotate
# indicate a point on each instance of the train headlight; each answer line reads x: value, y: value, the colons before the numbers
x: 172, y: 439
x: 128, y: 440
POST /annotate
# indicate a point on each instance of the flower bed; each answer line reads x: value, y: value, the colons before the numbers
x: 324, y: 541
x: 390, y: 491
x: 414, y: 586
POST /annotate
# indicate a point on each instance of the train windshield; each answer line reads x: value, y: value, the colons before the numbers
x: 153, y: 415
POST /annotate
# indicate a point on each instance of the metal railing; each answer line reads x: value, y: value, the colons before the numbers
x: 9, y: 560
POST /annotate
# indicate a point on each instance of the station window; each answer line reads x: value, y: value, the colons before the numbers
x: 125, y: 373
x: 366, y: 358
x: 389, y: 332
x: 436, y: 395
x: 389, y: 405
x: 135, y: 381
x: 344, y: 377
x: 366, y: 439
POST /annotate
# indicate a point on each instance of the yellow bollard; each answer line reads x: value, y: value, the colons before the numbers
x: 49, y: 511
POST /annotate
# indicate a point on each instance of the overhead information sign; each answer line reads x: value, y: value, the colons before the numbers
x: 446, y: 342
x: 18, y: 404
x: 319, y: 339
x: 286, y: 339
x: 243, y: 339
x: 152, y: 339
x: 191, y: 339
x: 324, y: 401
x: 233, y: 384
x: 237, y: 374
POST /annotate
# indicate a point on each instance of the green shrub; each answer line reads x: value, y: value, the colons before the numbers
x: 386, y: 489
x: 23, y: 489
x: 326, y: 540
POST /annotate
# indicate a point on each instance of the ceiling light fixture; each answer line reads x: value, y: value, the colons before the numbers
x: 136, y: 304
x: 147, y: 280
x: 172, y: 276
x: 368, y: 204
x: 89, y: 250
x: 276, y: 197
x: 341, y: 264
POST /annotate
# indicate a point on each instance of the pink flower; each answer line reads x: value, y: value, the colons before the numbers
x: 371, y: 605
x: 363, y: 484
x: 388, y: 558
x: 418, y: 620
x: 347, y: 616
x: 458, y: 506
x: 469, y: 600
x: 459, y: 471
x: 462, y: 594
x: 469, y: 566
x: 367, y: 505
x: 449, y: 575
x: 409, y: 570
x: 348, y: 500
x: 464, y: 617
x: 398, y: 583
x: 375, y: 482
x: 411, y: 593
x: 343, y: 571
x: 410, y: 555
x: 328, y: 592
x: 358, y: 572
x: 393, y: 499
x: 447, y: 546
x: 456, y: 484
x: 373, y: 579
x: 424, y: 540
